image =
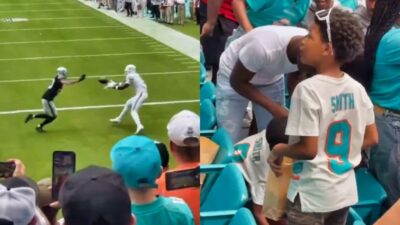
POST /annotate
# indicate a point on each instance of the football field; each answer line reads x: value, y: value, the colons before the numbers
x: 36, y: 37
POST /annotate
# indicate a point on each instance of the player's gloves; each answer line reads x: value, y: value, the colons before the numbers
x: 82, y: 78
x: 103, y: 80
x: 110, y: 85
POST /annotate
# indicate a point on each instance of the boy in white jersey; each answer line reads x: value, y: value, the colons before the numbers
x: 251, y: 157
x: 330, y: 120
x: 134, y: 80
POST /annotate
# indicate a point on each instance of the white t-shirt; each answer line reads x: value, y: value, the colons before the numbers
x: 180, y: 1
x: 262, y: 51
x: 337, y: 110
x: 251, y: 156
x: 135, y: 81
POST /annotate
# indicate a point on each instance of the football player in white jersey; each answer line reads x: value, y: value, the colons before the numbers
x: 331, y: 120
x: 134, y: 80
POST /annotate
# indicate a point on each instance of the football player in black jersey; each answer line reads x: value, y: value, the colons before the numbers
x: 50, y: 111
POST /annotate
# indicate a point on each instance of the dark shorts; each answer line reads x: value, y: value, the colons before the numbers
x: 215, y: 45
x: 296, y: 217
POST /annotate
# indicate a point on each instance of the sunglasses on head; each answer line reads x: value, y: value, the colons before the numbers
x: 324, y: 15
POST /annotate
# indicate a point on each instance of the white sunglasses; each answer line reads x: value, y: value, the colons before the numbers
x: 324, y: 15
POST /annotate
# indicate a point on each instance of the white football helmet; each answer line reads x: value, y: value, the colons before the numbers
x: 62, y: 71
x: 130, y: 69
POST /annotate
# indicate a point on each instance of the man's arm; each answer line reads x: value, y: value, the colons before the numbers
x: 240, y: 81
x: 70, y: 82
x: 371, y: 137
x: 121, y: 86
x: 305, y: 149
x: 212, y: 16
x: 240, y: 11
x: 259, y: 215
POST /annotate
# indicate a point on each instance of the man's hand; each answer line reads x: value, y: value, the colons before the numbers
x: 208, y: 30
x: 275, y: 159
x: 19, y: 167
x: 82, y: 78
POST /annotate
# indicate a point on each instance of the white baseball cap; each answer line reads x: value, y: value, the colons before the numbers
x: 17, y: 205
x: 184, y: 125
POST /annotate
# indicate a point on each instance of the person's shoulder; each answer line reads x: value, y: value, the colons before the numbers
x: 175, y: 205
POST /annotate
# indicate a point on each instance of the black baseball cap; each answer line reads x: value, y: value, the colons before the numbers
x: 95, y: 195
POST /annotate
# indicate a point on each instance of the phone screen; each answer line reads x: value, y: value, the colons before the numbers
x: 183, y: 179
x: 63, y: 166
x: 7, y: 169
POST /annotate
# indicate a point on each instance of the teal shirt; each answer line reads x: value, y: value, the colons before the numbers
x: 266, y: 12
x: 351, y: 4
x: 385, y: 88
x: 163, y: 211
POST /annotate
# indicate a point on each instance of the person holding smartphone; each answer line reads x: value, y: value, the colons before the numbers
x: 184, y: 133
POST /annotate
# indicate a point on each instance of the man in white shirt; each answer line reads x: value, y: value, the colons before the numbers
x: 134, y: 80
x: 251, y: 69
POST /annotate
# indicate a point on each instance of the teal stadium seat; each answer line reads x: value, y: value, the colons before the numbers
x: 351, y: 4
x: 353, y: 218
x: 224, y: 156
x: 229, y: 192
x: 207, y: 91
x: 203, y: 74
x: 371, y: 196
x: 243, y: 216
x: 208, y: 115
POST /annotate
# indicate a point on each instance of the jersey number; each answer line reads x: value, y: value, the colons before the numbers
x: 337, y: 146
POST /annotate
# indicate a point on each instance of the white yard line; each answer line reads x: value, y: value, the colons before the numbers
x: 101, y: 76
x: 59, y: 28
x: 40, y: 10
x: 83, y: 56
x: 64, y: 18
x: 97, y: 107
x: 71, y: 40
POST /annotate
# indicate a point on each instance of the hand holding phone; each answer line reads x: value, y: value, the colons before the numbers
x: 182, y: 179
x: 63, y: 166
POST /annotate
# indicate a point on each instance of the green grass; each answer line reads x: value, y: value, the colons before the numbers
x: 190, y: 28
x: 28, y: 67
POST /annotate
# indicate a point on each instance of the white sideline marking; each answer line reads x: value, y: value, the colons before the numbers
x: 83, y: 56
x: 59, y: 28
x: 64, y: 18
x: 100, y: 76
x: 71, y: 40
x: 97, y: 107
x: 46, y: 10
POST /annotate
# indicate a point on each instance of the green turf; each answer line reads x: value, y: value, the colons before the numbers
x: 190, y: 28
x: 28, y: 62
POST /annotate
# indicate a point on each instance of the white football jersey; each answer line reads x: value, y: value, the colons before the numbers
x: 337, y: 110
x: 251, y: 156
x: 135, y: 81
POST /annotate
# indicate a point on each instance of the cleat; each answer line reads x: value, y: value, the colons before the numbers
x: 115, y: 120
x: 28, y: 118
x: 139, y: 129
x: 40, y: 129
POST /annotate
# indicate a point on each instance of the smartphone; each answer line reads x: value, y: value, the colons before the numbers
x: 7, y: 169
x: 63, y: 166
x: 182, y: 179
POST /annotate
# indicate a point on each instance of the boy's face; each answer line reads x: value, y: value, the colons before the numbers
x: 313, y: 49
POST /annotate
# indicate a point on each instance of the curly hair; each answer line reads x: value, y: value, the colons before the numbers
x: 346, y: 33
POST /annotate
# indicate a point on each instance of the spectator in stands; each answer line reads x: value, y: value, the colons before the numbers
x: 181, y: 11
x: 256, y: 13
x: 364, y: 13
x: 169, y: 14
x: 156, y: 8
x: 252, y: 154
x: 217, y: 23
x: 96, y: 195
x: 17, y: 206
x: 184, y: 133
x: 251, y: 69
x: 382, y: 51
x: 137, y: 160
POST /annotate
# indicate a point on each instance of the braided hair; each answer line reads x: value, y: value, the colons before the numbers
x: 385, y: 14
